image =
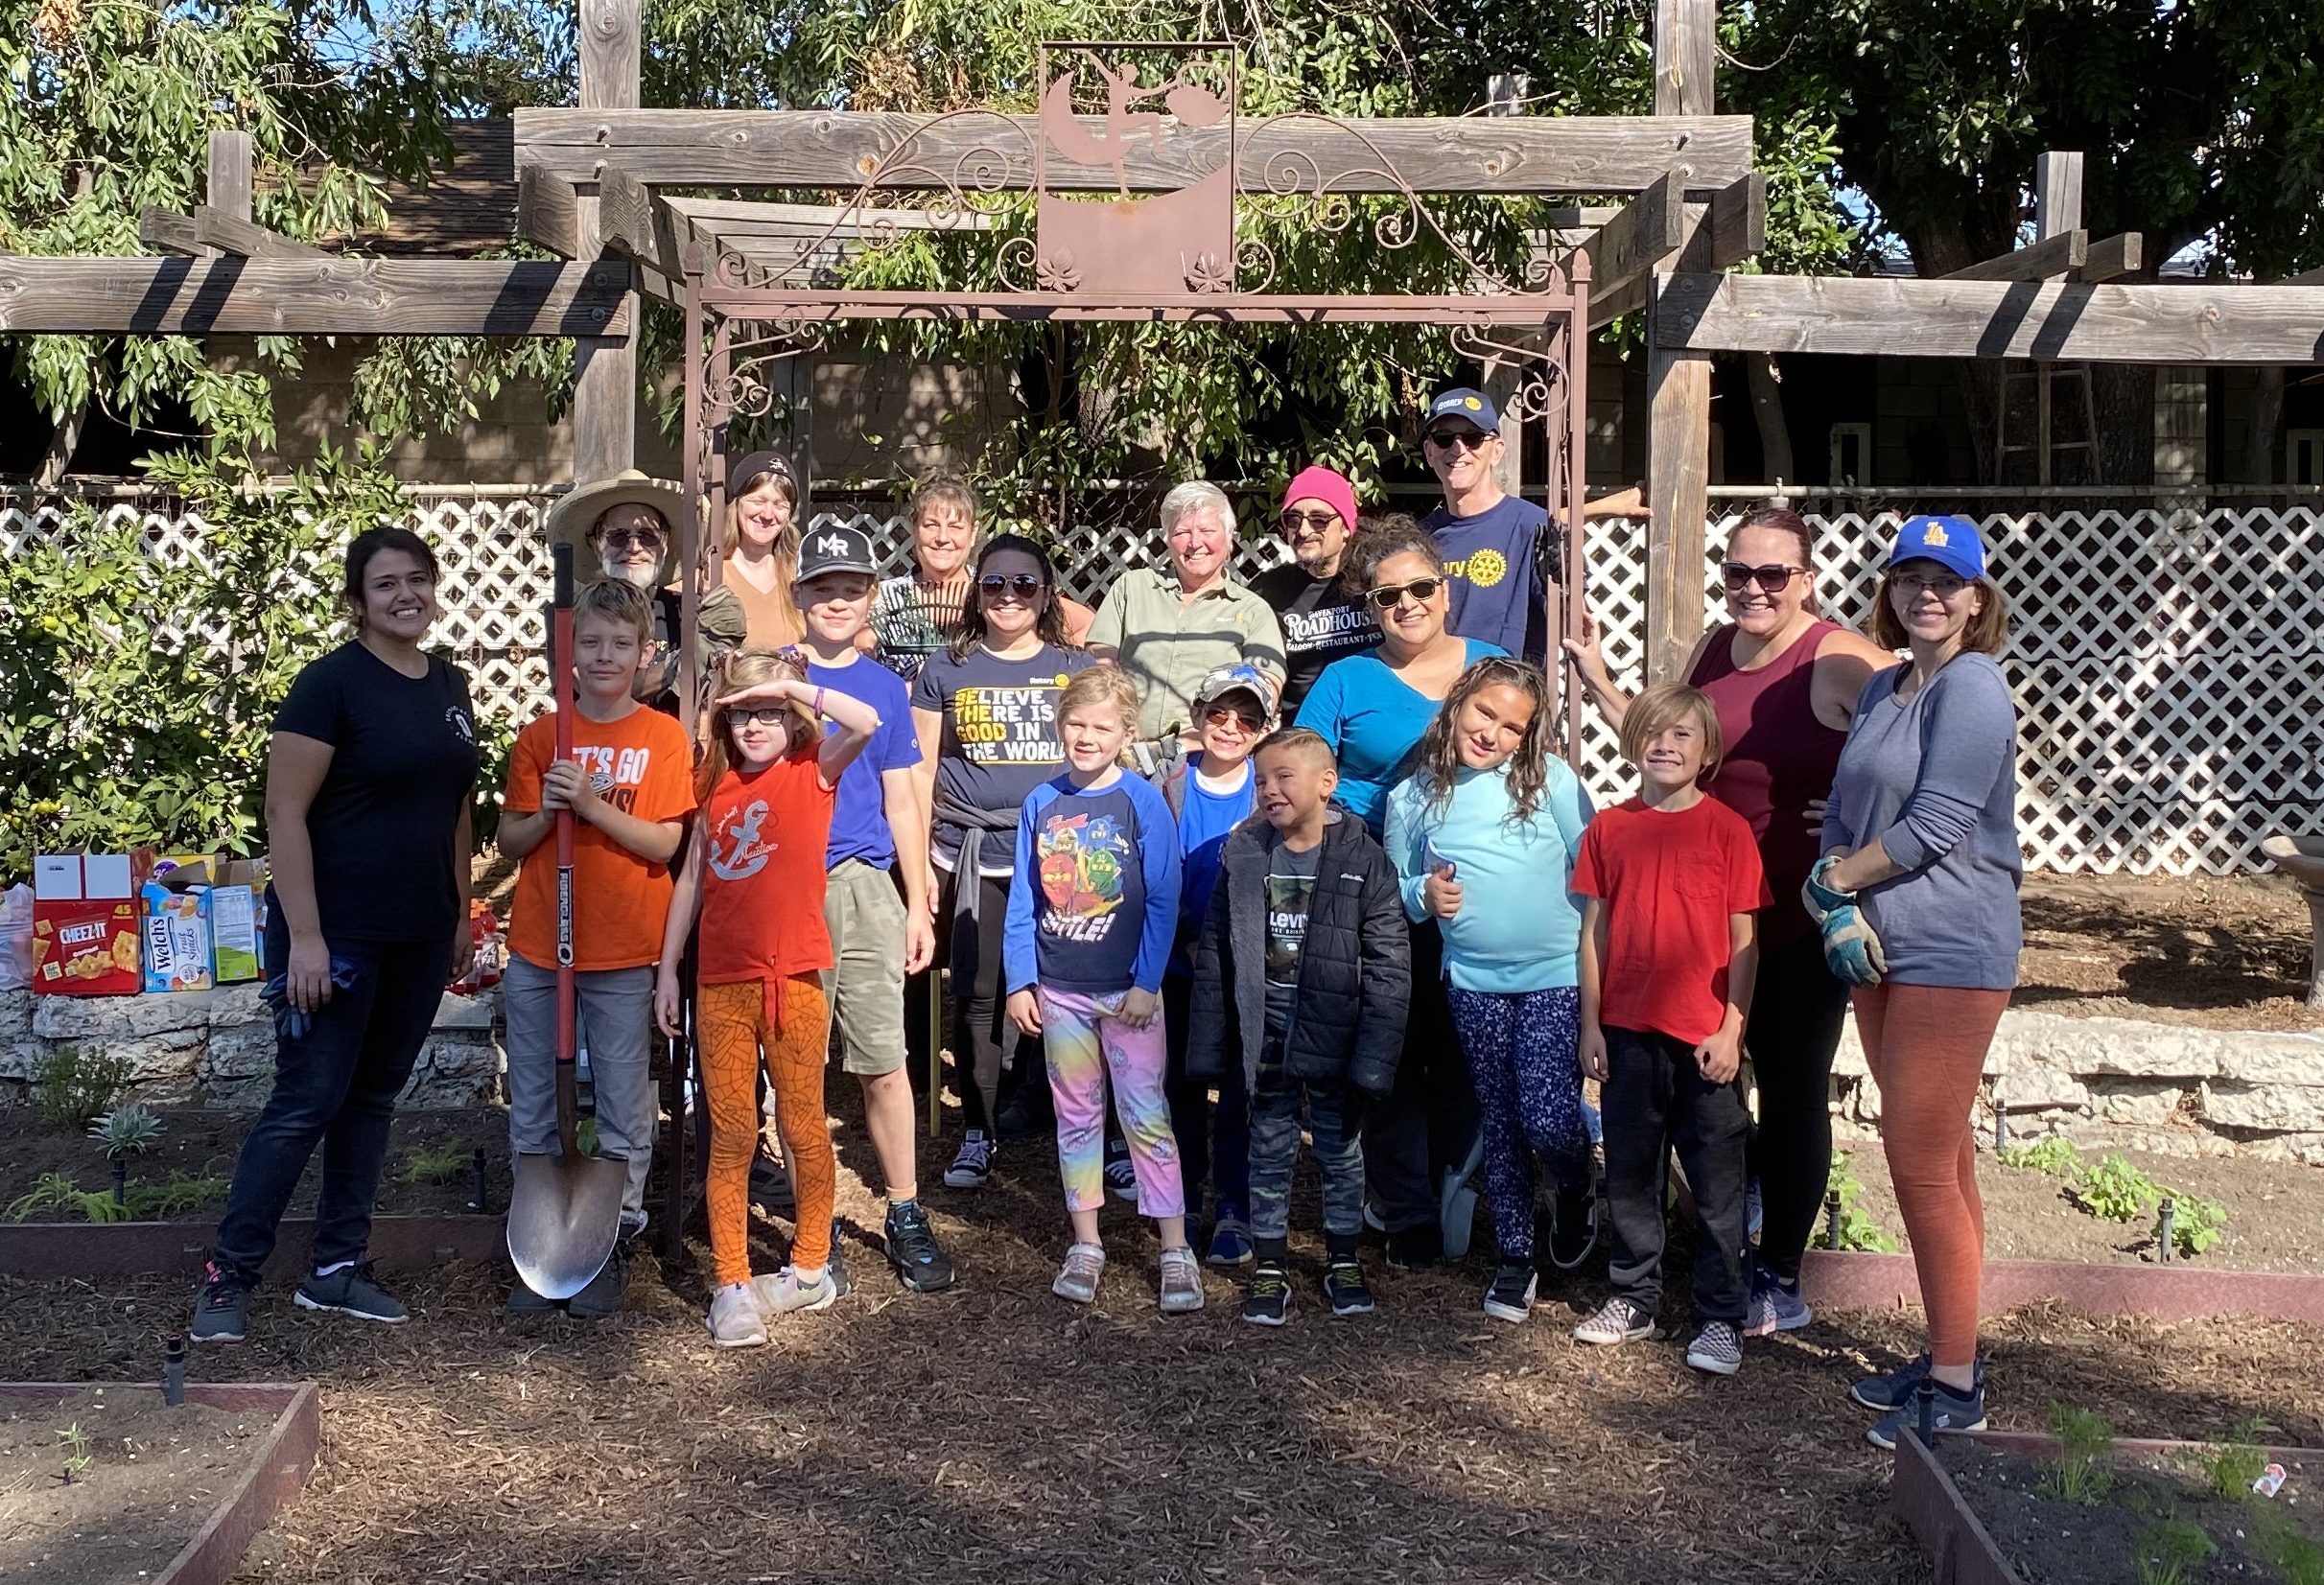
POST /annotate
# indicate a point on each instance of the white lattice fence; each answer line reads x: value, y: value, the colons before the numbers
x: 2167, y: 665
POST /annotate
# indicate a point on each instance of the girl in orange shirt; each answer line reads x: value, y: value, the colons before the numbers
x: 767, y: 785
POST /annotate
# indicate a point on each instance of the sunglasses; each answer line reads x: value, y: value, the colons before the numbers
x: 1023, y: 585
x: 1468, y: 440
x: 1770, y: 578
x: 1218, y: 715
x: 755, y: 715
x: 1320, y: 521
x: 1423, y: 590
x: 627, y: 539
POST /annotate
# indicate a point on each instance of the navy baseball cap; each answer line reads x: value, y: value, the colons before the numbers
x: 1950, y: 542
x: 836, y: 548
x: 1474, y: 406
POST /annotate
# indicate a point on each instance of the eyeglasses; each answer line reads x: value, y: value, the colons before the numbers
x: 1770, y: 578
x: 759, y: 715
x: 1944, y: 586
x: 1423, y: 590
x: 1320, y: 521
x: 1468, y: 440
x: 1218, y: 715
x: 626, y: 539
x: 1023, y: 585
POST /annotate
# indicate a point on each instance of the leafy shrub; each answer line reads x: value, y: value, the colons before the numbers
x: 2084, y: 1472
x: 2051, y: 1158
x: 74, y: 1086
x: 1857, y: 1228
x: 434, y: 1163
x: 2116, y: 1191
x: 56, y: 1197
x: 2196, y: 1222
x: 2230, y: 1468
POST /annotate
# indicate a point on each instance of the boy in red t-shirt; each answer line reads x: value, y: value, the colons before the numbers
x: 1667, y: 959
x: 630, y: 786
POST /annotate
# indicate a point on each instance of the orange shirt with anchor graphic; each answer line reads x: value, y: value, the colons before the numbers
x: 762, y: 873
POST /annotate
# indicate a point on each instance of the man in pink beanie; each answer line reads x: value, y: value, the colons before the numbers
x: 1322, y: 622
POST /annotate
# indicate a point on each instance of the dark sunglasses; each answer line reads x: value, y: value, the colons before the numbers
x: 1423, y: 590
x: 1218, y: 715
x: 1468, y: 440
x: 1770, y: 578
x: 1023, y: 585
x: 623, y: 539
x: 1317, y: 521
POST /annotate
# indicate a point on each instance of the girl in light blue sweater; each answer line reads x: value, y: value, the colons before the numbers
x: 1484, y: 836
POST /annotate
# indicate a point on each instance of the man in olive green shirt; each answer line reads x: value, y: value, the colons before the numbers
x: 1167, y: 630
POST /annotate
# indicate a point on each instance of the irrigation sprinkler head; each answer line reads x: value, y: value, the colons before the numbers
x: 1831, y: 1219
x: 2162, y: 1231
x: 174, y: 1369
x: 1924, y: 1408
x: 479, y: 1188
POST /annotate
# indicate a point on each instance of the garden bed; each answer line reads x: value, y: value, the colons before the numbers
x: 109, y: 1486
x: 2223, y: 952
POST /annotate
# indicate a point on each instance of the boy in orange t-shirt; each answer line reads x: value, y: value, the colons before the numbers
x: 630, y: 786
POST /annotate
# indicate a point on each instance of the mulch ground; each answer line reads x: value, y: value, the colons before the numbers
x: 993, y: 1432
x: 2225, y: 952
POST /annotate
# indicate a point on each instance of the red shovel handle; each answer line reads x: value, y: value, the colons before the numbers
x: 561, y: 681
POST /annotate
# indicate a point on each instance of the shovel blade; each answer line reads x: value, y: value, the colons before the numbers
x: 564, y: 1215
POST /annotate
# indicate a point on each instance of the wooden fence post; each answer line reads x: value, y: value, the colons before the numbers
x: 1678, y: 384
x: 605, y: 391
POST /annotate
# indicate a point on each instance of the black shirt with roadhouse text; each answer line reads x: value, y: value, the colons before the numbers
x: 383, y: 823
x: 1322, y: 622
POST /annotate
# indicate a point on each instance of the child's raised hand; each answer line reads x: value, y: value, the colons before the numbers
x: 1586, y: 649
x: 1440, y: 893
x: 1024, y: 1010
x: 665, y: 1010
x: 1720, y: 1058
x: 776, y: 691
x: 1140, y: 1007
x: 1591, y: 1054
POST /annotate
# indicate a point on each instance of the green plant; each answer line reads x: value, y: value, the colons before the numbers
x: 2084, y: 1472
x: 2116, y: 1191
x: 2170, y: 1548
x: 2231, y: 1467
x: 1857, y: 1228
x: 181, y: 1194
x: 77, y: 1439
x: 127, y: 1130
x: 2300, y: 1560
x: 63, y: 1199
x: 434, y: 1163
x: 2051, y: 1158
x: 585, y: 1135
x: 74, y: 1086
x: 2194, y: 1222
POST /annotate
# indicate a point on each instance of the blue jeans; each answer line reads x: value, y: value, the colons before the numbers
x: 1520, y: 1047
x: 336, y: 1086
x: 1275, y: 1144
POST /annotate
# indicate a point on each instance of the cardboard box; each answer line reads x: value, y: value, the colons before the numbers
x: 86, y: 935
x: 238, y: 921
x: 177, y: 940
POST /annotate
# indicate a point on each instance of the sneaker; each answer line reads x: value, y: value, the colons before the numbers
x: 1776, y: 1307
x: 1372, y: 1219
x: 1457, y: 1204
x: 224, y: 1309
x: 1344, y: 1289
x: 1268, y: 1302
x: 836, y: 1267
x: 1182, y: 1282
x: 1510, y: 1296
x: 784, y: 1293
x: 523, y: 1301
x: 770, y: 1187
x: 919, y: 1260
x: 1230, y: 1237
x: 1617, y: 1320
x: 734, y: 1318
x: 1077, y: 1278
x: 1717, y: 1348
x: 1952, y: 1410
x: 1894, y: 1390
x: 1573, y: 1233
x: 1416, y: 1249
x: 1121, y: 1178
x: 1755, y: 1212
x: 606, y: 1291
x: 350, y: 1290
x: 972, y: 1165
x: 1015, y: 1122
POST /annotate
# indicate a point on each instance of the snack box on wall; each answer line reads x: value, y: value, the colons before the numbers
x: 177, y: 939
x: 86, y: 940
x: 238, y: 921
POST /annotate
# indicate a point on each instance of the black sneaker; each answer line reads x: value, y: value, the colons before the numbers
x: 1574, y: 1233
x: 1510, y: 1296
x: 1268, y: 1303
x: 224, y: 1309
x: 1416, y: 1249
x: 1345, y: 1288
x: 1015, y: 1122
x: 523, y: 1301
x: 350, y: 1290
x: 606, y: 1291
x: 919, y: 1260
x: 842, y: 1283
x: 972, y: 1165
x: 770, y: 1187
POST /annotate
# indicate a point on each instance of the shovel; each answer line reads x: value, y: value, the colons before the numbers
x: 565, y: 1210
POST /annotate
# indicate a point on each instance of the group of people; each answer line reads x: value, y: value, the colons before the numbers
x: 1212, y: 867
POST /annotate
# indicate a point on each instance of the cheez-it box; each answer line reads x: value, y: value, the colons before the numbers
x: 86, y: 918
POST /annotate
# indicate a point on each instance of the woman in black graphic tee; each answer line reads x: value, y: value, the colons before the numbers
x: 368, y: 778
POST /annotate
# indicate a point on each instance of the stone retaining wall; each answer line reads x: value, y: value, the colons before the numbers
x: 216, y: 1048
x: 2120, y: 1084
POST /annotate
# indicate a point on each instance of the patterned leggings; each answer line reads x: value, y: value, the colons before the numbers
x: 1085, y: 1037
x: 1520, y: 1047
x: 788, y: 1020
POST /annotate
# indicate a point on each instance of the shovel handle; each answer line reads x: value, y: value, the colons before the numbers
x: 561, y: 682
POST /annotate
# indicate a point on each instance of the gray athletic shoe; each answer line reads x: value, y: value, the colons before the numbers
x: 783, y: 1291
x: 224, y: 1310
x: 1077, y: 1278
x: 350, y: 1290
x: 1182, y: 1282
x: 734, y: 1318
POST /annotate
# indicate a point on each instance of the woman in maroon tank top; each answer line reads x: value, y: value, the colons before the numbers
x: 1785, y: 683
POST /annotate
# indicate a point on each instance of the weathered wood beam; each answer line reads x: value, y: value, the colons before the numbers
x: 727, y: 216
x: 159, y: 227
x: 2111, y: 256
x: 1648, y: 230
x: 230, y: 234
x: 548, y: 211
x: 605, y: 367
x: 1678, y: 378
x: 2051, y: 258
x: 2057, y: 194
x: 627, y: 223
x: 839, y: 149
x: 1726, y: 231
x: 326, y: 296
x: 2113, y: 323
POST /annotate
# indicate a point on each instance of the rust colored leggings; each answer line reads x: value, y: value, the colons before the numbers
x: 1925, y: 1047
x: 788, y: 1020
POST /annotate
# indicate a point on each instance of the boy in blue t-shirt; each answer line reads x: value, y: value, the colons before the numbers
x: 1211, y: 793
x: 876, y: 937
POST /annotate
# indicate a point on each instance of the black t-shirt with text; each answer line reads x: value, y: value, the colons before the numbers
x: 1290, y: 899
x: 1322, y: 622
x: 403, y: 764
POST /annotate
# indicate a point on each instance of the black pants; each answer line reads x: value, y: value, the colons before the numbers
x: 1656, y: 1100
x: 1426, y: 1124
x: 984, y: 1043
x: 336, y: 1086
x: 1198, y: 1127
x: 1796, y: 1010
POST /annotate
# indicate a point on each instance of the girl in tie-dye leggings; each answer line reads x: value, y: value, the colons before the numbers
x: 1092, y: 911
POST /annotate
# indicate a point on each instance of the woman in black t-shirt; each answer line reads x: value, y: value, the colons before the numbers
x: 368, y: 778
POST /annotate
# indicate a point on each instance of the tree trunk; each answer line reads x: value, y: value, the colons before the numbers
x: 2266, y: 417
x: 66, y: 440
x: 1766, y: 409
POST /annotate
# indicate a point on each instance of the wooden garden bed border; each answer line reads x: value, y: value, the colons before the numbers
x: 49, y: 1250
x: 1845, y: 1280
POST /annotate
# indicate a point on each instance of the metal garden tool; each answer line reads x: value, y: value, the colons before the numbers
x: 565, y: 1209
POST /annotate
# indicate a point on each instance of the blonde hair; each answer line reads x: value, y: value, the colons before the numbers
x: 731, y: 673
x: 621, y: 604
x: 1102, y: 684
x: 943, y: 488
x: 786, y: 542
x: 1665, y: 706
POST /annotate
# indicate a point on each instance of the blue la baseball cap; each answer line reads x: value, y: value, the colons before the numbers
x: 1461, y: 402
x: 1950, y: 542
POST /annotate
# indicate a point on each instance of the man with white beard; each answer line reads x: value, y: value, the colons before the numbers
x: 622, y: 525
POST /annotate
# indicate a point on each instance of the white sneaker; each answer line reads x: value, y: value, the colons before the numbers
x: 734, y: 1318
x: 1182, y: 1282
x: 783, y: 1291
x: 1617, y: 1321
x: 1077, y: 1278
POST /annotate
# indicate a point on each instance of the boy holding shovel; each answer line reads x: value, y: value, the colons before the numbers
x: 629, y: 785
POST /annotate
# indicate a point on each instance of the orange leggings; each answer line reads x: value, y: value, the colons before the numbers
x: 788, y: 1020
x: 1925, y: 1047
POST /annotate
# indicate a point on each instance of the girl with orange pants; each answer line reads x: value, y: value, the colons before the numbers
x: 1916, y: 897
x: 754, y: 878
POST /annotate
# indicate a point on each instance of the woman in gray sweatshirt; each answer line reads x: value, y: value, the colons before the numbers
x: 1917, y: 896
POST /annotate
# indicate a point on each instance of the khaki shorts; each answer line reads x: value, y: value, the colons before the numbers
x: 865, y: 918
